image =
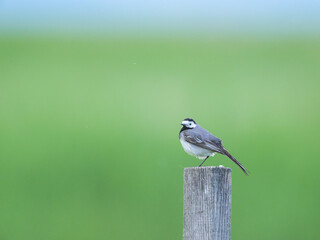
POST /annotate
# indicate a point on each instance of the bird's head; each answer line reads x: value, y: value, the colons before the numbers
x: 189, y: 123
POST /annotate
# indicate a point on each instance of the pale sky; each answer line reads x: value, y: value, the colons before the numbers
x: 172, y: 15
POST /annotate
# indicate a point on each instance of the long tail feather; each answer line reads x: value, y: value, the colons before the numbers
x: 235, y: 161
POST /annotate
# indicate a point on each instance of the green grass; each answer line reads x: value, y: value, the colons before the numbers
x: 89, y: 135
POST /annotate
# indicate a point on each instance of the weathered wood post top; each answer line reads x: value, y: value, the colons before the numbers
x: 207, y: 203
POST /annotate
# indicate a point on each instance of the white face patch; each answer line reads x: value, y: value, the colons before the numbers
x: 189, y: 124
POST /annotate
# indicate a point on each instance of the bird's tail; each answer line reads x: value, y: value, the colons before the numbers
x: 235, y: 161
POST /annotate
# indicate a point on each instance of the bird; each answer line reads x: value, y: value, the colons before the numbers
x: 198, y: 142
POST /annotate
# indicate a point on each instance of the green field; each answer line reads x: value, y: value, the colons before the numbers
x: 89, y: 143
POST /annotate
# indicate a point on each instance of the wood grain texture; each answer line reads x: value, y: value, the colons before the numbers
x: 207, y: 203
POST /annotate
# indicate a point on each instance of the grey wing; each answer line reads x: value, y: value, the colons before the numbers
x: 202, y: 138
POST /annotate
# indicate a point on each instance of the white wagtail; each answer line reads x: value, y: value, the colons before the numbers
x: 200, y: 143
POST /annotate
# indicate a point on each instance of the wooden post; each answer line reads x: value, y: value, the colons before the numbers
x: 207, y: 203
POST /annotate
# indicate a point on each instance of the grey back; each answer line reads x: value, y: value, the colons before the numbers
x: 202, y: 138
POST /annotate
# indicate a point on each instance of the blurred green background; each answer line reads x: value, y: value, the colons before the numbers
x: 89, y: 126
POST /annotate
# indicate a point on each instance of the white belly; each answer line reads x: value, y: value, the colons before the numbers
x: 194, y: 150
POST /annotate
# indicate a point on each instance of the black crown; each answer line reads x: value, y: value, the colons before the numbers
x: 189, y: 119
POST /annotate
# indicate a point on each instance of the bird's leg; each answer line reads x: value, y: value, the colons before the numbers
x: 203, y: 161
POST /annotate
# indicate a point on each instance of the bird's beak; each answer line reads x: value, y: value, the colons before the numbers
x: 181, y: 124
